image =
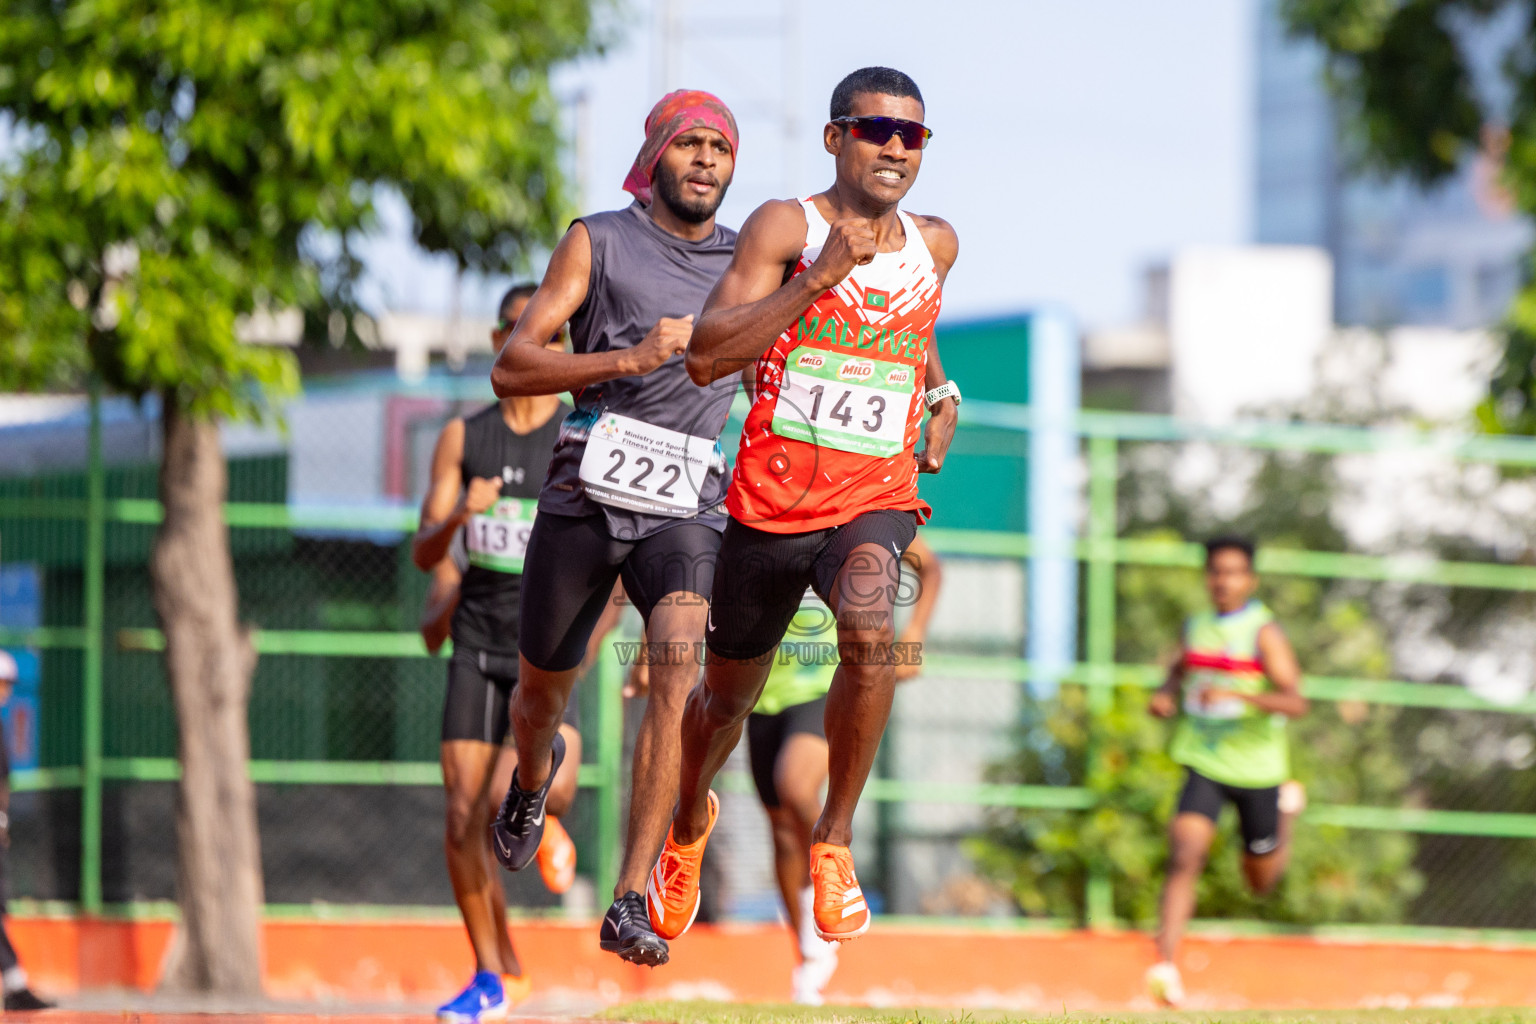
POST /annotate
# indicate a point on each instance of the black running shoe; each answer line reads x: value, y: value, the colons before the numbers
x: 26, y: 999
x: 519, y: 826
x: 627, y: 931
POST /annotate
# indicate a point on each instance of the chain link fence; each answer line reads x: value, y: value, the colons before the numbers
x: 999, y: 793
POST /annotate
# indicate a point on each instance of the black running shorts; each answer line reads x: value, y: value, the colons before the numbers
x: 479, y: 688
x: 1258, y: 810
x: 569, y: 571
x: 761, y: 577
x: 767, y: 736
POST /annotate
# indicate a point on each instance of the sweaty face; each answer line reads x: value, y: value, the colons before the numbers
x: 1229, y: 579
x: 884, y: 173
x: 693, y: 174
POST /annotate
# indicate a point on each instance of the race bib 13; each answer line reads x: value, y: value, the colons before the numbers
x: 498, y: 537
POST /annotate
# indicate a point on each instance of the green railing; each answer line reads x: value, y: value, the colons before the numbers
x: 1100, y: 550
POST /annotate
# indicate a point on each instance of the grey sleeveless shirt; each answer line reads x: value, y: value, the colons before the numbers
x: 641, y: 273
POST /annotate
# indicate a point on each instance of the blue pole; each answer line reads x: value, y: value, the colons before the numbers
x: 1055, y: 376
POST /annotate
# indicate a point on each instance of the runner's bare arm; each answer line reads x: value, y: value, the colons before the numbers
x: 444, y: 510
x: 1164, y: 702
x: 939, y: 431
x: 930, y: 576
x: 526, y: 367
x: 1284, y: 673
x: 944, y: 245
x: 752, y: 303
x: 442, y: 600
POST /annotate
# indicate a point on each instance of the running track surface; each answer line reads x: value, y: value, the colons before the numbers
x: 138, y: 1017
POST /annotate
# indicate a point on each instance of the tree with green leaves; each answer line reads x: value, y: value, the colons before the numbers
x: 1412, y: 107
x: 176, y: 165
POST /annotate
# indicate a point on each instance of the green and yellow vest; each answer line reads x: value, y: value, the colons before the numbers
x: 805, y: 662
x: 1230, y: 741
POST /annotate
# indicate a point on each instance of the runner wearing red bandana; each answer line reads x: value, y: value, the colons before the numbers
x: 635, y: 481
x: 832, y: 300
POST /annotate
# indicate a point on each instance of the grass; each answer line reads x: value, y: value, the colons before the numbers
x: 776, y: 1013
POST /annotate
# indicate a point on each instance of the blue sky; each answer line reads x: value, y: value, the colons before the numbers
x: 1075, y: 141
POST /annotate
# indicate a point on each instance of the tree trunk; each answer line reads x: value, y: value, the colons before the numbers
x: 209, y: 660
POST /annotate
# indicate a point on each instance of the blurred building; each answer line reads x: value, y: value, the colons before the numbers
x: 1446, y: 257
x: 1228, y: 332
x: 1224, y: 331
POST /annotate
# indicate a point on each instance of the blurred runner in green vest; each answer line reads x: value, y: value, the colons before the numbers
x: 1233, y: 687
x: 787, y: 745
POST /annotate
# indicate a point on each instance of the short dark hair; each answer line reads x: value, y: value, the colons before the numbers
x: 884, y: 81
x: 522, y: 290
x: 1230, y: 542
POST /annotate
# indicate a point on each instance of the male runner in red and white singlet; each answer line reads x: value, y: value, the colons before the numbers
x: 834, y: 298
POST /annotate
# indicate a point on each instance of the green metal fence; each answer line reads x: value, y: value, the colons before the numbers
x: 106, y: 730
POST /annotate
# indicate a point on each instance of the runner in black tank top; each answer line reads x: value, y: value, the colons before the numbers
x: 635, y: 480
x: 486, y: 619
x: 486, y: 474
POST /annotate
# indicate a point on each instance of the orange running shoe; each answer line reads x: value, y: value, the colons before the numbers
x: 516, y: 987
x: 557, y: 857
x: 672, y: 893
x: 840, y: 909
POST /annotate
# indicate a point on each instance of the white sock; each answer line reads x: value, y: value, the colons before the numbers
x: 810, y: 942
x: 14, y: 979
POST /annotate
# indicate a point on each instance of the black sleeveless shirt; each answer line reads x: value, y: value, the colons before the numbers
x: 489, y: 598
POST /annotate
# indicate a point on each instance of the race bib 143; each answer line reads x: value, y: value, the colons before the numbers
x: 848, y: 402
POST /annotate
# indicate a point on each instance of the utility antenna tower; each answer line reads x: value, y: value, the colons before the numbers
x: 743, y: 51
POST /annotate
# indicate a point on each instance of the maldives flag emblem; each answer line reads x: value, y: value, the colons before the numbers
x: 874, y: 298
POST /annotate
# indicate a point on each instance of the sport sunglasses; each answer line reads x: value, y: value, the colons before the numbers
x: 914, y: 134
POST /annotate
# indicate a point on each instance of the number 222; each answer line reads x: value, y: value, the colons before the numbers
x: 673, y: 474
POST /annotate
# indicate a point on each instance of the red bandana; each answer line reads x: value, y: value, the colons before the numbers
x: 673, y: 114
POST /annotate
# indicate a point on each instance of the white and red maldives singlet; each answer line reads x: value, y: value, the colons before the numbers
x: 840, y: 396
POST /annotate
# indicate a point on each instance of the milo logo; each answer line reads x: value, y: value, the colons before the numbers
x: 810, y: 360
x: 856, y: 369
x: 899, y: 376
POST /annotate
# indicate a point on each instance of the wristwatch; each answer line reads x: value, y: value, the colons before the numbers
x: 949, y: 389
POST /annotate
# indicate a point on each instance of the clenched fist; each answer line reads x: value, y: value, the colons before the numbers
x: 1162, y: 704
x: 481, y: 494
x: 665, y: 340
x: 849, y: 244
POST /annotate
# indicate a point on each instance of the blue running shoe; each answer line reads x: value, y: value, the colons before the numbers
x: 482, y: 999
